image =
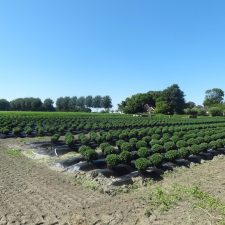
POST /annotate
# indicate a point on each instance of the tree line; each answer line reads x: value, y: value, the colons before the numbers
x: 171, y: 101
x: 63, y: 104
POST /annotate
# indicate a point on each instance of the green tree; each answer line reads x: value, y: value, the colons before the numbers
x: 4, y: 105
x: 106, y: 102
x: 162, y: 107
x: 136, y: 103
x: 81, y: 102
x: 48, y: 105
x: 213, y: 96
x: 97, y: 102
x: 89, y: 101
x: 73, y: 103
x: 174, y: 97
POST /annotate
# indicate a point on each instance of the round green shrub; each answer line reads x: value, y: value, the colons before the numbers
x: 28, y: 130
x: 5, y: 130
x: 183, y: 152
x: 181, y: 144
x: 109, y: 150
x: 204, y: 147
x: 133, y: 141
x: 143, y: 152
x: 112, y: 160
x: 125, y: 156
x: 69, y: 139
x: 83, y: 149
x: 140, y: 144
x: 119, y: 143
x: 175, y: 138
x: 195, y: 149
x: 191, y: 141
x: 89, y: 155
x: 171, y: 155
x: 16, y: 131
x: 169, y: 145
x: 213, y: 145
x: 146, y: 139
x: 126, y: 146
x: 157, y: 148
x: 141, y: 164
x: 156, y: 159
x: 156, y: 136
x: 104, y: 145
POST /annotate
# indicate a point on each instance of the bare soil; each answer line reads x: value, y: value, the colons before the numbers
x: 32, y: 193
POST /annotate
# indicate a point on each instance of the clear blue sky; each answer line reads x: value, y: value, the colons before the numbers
x: 52, y: 48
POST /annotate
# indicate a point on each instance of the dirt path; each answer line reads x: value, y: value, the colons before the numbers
x: 33, y: 194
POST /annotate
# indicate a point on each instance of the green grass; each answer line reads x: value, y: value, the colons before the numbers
x: 13, y: 152
x: 163, y: 200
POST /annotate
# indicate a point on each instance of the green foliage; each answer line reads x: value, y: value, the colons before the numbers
x: 69, y: 139
x: 109, y: 150
x: 181, y: 144
x: 174, y: 98
x: 55, y: 138
x: 104, y: 145
x: 133, y: 141
x: 28, y: 130
x: 215, y: 111
x: 112, y: 160
x: 106, y: 102
x: 89, y: 155
x: 119, y: 143
x: 143, y: 152
x: 136, y: 103
x: 169, y: 145
x: 126, y: 146
x: 4, y: 105
x: 195, y: 149
x: 192, y: 141
x: 213, y: 96
x: 16, y: 131
x: 156, y: 159
x: 171, y: 155
x: 183, y: 152
x: 125, y: 156
x: 203, y: 147
x: 157, y: 148
x: 142, y: 164
x: 140, y: 144
x: 162, y: 107
x: 213, y: 144
x: 83, y: 149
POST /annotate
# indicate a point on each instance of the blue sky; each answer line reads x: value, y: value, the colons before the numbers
x: 52, y: 48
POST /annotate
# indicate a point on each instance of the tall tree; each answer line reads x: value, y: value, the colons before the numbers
x: 213, y: 96
x: 89, y: 101
x: 4, y: 105
x: 174, y: 97
x: 73, y: 103
x: 26, y: 104
x: 190, y: 105
x: 63, y: 104
x: 48, y: 105
x: 81, y: 102
x: 106, y: 102
x: 97, y: 102
x: 136, y: 103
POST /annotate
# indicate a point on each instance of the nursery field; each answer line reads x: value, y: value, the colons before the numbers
x: 117, y: 145
x: 123, y: 149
